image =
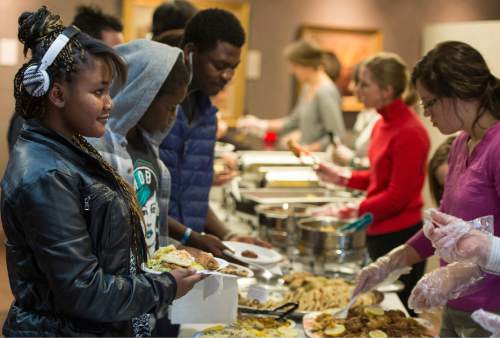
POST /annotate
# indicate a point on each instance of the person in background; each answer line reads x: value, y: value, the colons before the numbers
x: 398, y: 153
x: 95, y: 23
x: 318, y: 112
x: 99, y: 25
x: 459, y: 94
x: 73, y: 226
x: 169, y: 21
x: 438, y: 169
x: 212, y: 45
x: 356, y: 156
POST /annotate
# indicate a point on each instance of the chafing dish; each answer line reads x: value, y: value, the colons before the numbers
x: 251, y: 161
x: 277, y: 222
x: 319, y: 237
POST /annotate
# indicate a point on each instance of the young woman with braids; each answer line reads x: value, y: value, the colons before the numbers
x: 73, y: 225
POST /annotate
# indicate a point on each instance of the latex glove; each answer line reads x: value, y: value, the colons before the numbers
x: 252, y: 122
x: 449, y: 282
x: 489, y: 321
x: 185, y: 280
x: 332, y: 173
x: 458, y: 240
x: 375, y: 273
x: 342, y: 154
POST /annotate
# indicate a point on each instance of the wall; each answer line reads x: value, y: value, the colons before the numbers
x: 274, y: 24
x: 11, y: 9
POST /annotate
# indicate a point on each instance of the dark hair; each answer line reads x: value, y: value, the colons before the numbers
x: 440, y: 157
x: 171, y: 37
x: 308, y: 54
x: 454, y: 69
x: 37, y: 31
x: 178, y: 76
x: 389, y: 69
x: 93, y: 21
x: 172, y: 15
x: 212, y: 25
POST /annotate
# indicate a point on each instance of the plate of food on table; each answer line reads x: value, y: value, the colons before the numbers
x: 249, y: 326
x: 252, y: 253
x: 370, y: 321
x: 311, y: 293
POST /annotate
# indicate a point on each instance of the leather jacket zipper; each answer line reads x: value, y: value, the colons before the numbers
x: 86, y: 203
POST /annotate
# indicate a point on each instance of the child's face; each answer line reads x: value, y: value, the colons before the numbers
x: 162, y: 111
x: 87, y: 103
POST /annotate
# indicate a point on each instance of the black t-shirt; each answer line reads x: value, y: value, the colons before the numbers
x: 147, y: 176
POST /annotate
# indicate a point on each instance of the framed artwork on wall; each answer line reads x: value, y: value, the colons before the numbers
x: 137, y: 17
x: 351, y: 47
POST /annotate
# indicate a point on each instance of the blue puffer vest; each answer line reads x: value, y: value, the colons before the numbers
x: 188, y: 152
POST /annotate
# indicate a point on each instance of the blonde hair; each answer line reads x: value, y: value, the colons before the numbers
x: 309, y: 54
x: 389, y: 70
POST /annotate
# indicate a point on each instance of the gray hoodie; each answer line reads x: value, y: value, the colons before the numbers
x: 149, y: 64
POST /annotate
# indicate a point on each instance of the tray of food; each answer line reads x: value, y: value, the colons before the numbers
x: 363, y: 321
x: 249, y: 326
x: 169, y: 258
x: 312, y: 293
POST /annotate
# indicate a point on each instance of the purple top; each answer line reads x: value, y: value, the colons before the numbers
x: 472, y: 190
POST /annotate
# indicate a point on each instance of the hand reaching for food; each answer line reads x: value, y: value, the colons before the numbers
x: 332, y: 174
x: 250, y: 240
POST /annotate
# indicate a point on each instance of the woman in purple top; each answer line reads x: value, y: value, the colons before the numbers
x: 458, y: 93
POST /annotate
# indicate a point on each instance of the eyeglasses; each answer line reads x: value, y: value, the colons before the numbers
x: 429, y: 104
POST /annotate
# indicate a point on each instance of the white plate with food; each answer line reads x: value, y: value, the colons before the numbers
x: 169, y: 258
x: 252, y: 253
x: 379, y: 323
x: 236, y: 270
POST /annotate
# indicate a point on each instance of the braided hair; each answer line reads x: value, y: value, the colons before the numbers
x: 37, y: 31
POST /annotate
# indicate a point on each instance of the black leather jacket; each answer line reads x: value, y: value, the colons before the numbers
x: 68, y: 248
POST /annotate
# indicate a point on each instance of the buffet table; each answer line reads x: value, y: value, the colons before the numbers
x: 391, y: 301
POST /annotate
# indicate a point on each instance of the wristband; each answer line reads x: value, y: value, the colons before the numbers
x: 186, y: 235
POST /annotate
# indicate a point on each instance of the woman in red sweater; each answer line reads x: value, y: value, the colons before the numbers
x: 398, y: 153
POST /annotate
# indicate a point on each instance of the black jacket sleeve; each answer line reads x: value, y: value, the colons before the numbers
x: 56, y: 231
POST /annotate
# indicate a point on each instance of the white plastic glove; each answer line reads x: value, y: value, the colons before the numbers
x: 252, y: 122
x: 449, y: 282
x: 489, y: 321
x: 342, y: 211
x: 458, y: 240
x: 332, y: 174
x: 394, y: 264
x: 342, y: 154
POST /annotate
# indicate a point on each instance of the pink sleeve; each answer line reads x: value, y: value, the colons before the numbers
x: 421, y: 245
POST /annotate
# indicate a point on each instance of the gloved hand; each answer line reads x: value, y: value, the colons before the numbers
x: 375, y: 273
x: 342, y: 211
x: 342, y: 154
x: 332, y: 173
x: 449, y: 282
x: 252, y: 122
x: 458, y: 240
x: 489, y: 321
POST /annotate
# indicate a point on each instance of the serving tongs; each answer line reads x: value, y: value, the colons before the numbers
x: 303, y: 155
x: 359, y: 224
x: 282, y: 312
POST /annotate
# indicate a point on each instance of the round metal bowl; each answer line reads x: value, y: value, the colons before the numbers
x: 319, y: 236
x: 277, y: 221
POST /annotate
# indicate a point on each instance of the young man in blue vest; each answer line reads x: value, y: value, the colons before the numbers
x: 212, y: 46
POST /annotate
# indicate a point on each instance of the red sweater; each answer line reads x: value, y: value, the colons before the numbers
x: 398, y: 153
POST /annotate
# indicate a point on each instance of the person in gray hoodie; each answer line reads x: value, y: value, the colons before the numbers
x: 142, y: 115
